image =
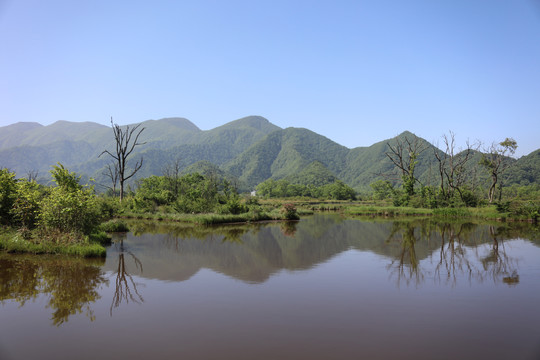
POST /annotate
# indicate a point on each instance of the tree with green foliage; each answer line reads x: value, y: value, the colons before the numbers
x: 382, y: 189
x: 25, y: 209
x: 69, y: 207
x: 198, y: 194
x: 496, y: 162
x: 337, y: 190
x: 452, y: 169
x: 8, y: 189
x: 404, y: 157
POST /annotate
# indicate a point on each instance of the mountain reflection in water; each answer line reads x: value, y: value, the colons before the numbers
x: 325, y: 287
x: 254, y: 253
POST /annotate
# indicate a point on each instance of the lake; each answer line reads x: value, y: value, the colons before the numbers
x: 326, y: 287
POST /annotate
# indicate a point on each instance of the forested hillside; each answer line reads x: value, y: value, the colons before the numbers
x: 248, y: 151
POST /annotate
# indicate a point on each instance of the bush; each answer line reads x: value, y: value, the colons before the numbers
x: 70, y: 211
x: 25, y: 208
x: 289, y: 211
x: 114, y: 226
x: 69, y: 207
x: 8, y: 188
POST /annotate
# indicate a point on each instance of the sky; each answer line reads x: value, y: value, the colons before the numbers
x: 357, y: 72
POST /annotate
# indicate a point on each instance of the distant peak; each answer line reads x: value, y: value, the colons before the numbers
x: 75, y: 123
x: 179, y: 122
x: 24, y: 125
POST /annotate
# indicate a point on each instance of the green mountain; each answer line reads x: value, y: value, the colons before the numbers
x: 286, y: 152
x: 290, y: 152
x: 248, y: 151
x: 315, y: 174
x: 78, y: 145
x: 368, y: 164
x: 13, y: 135
x: 525, y: 170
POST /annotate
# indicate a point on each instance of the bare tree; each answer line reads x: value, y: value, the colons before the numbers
x: 495, y: 160
x: 403, y: 155
x: 112, y: 173
x: 171, y: 172
x: 32, y: 175
x: 126, y: 287
x: 126, y: 140
x: 452, y: 166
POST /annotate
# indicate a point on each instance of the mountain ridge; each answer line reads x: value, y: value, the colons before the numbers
x: 251, y: 148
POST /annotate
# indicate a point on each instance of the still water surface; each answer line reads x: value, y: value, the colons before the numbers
x: 324, y: 288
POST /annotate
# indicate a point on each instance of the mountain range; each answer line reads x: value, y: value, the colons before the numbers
x: 249, y: 150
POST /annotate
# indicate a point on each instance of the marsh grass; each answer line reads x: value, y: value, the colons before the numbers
x: 115, y: 225
x: 388, y: 211
x: 13, y: 241
x: 255, y: 214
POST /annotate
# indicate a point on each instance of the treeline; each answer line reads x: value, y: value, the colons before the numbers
x: 460, y: 178
x: 337, y: 190
x: 191, y: 193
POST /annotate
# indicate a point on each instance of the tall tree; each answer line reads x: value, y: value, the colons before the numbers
x: 171, y: 172
x: 452, y: 166
x: 495, y: 160
x: 403, y: 155
x: 126, y: 140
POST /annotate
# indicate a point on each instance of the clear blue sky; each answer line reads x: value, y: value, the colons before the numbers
x: 357, y: 72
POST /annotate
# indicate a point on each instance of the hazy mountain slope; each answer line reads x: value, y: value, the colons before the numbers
x: 40, y: 158
x: 164, y: 133
x: 64, y: 131
x: 251, y: 149
x: 13, y: 135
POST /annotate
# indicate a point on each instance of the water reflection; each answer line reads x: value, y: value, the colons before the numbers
x: 405, y: 266
x: 126, y: 289
x: 416, y: 250
x: 465, y: 251
x: 70, y: 285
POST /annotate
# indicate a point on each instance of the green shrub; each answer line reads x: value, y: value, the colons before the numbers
x: 114, y: 226
x: 289, y: 211
x: 70, y: 211
x: 8, y: 189
x: 69, y: 207
x: 25, y: 208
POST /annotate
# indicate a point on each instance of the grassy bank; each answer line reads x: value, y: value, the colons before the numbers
x: 212, y: 218
x: 506, y: 212
x: 13, y: 241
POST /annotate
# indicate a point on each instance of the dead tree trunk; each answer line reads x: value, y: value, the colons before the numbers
x: 126, y: 140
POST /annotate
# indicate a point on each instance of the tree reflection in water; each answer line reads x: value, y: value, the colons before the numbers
x: 453, y: 259
x: 288, y: 228
x: 70, y: 284
x: 125, y: 287
x: 497, y: 261
x: 406, y: 266
x: 460, y: 254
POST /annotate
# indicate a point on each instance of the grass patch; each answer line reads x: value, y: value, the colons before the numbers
x: 13, y: 241
x: 255, y: 214
x: 116, y: 225
x: 452, y: 212
x: 386, y: 210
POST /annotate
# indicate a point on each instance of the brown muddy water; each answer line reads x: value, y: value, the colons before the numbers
x: 326, y: 287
